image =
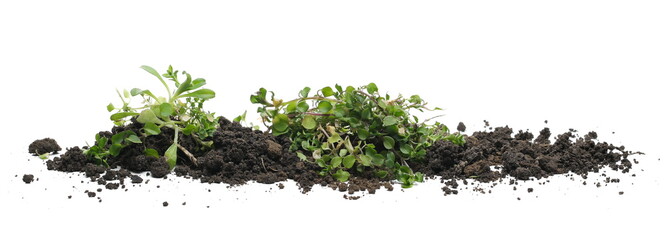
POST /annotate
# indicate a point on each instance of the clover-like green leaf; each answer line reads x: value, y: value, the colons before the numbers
x: 309, y: 122
x: 336, y: 161
x: 151, y: 153
x: 302, y: 106
x: 110, y: 107
x: 389, y: 142
x: 365, y: 160
x: 390, y: 121
x: 151, y: 129
x: 281, y: 122
x: 166, y: 110
x: 304, y: 93
x: 148, y: 116
x: 341, y: 175
x: 372, y: 88
x: 133, y: 138
x: 348, y: 161
x: 324, y: 107
x: 327, y: 92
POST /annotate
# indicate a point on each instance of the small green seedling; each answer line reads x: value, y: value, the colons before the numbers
x: 182, y: 111
x: 354, y: 129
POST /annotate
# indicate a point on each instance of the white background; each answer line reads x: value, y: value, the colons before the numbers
x: 588, y: 65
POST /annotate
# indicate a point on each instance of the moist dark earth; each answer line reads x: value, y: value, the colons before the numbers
x: 241, y: 155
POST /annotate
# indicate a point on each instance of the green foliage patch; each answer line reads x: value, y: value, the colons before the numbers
x: 346, y: 130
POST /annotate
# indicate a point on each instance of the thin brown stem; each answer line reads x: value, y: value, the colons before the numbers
x: 187, y: 153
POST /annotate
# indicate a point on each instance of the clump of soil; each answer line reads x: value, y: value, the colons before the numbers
x: 42, y: 146
x: 521, y: 157
x: 240, y: 155
x: 28, y: 178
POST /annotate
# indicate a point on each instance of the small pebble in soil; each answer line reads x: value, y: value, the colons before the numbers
x: 28, y: 178
x: 136, y: 179
x: 165, y: 204
x: 99, y: 190
x: 461, y: 127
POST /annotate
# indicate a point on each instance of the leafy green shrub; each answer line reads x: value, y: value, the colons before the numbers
x: 156, y: 112
x: 354, y: 129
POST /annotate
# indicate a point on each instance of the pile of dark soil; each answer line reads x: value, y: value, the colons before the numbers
x: 241, y: 155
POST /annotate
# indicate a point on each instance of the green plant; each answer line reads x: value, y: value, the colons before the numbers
x: 156, y: 112
x: 354, y: 129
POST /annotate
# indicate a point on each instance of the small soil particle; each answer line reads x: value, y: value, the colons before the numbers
x: 92, y: 194
x: 28, y: 178
x: 529, y: 190
x: 621, y: 193
x: 69, y: 197
x: 461, y: 127
x: 165, y: 203
x: 136, y: 179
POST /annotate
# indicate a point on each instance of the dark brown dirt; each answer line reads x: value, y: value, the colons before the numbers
x: 28, y: 178
x: 240, y: 155
x: 46, y: 145
x: 520, y: 157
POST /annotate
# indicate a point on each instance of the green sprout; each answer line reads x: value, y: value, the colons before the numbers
x: 354, y: 129
x: 182, y: 111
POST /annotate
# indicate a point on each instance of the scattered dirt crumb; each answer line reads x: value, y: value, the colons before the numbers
x: 28, y: 178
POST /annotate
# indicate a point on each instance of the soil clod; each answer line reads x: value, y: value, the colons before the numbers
x: 28, y: 178
x: 42, y: 146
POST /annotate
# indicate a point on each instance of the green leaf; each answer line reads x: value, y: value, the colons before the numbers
x: 342, y: 153
x: 365, y: 160
x: 281, y: 122
x: 390, y: 121
x: 304, y: 93
x: 110, y: 107
x: 44, y: 156
x: 348, y: 161
x: 389, y: 142
x: 372, y: 88
x: 336, y: 161
x: 115, y: 149
x: 291, y: 107
x: 381, y: 174
x: 390, y: 159
x: 201, y: 93
x: 341, y: 175
x: 309, y: 122
x: 302, y: 107
x: 121, y: 115
x: 335, y: 138
x: 197, y: 83
x: 363, y: 134
x: 324, y: 107
x: 241, y: 117
x: 151, y: 129
x: 301, y: 156
x: 166, y: 110
x: 148, y: 116
x: 133, y: 138
x: 171, y: 155
x: 327, y: 91
x: 101, y: 141
x: 151, y: 153
x: 185, y: 86
x: 406, y: 149
x: 152, y: 71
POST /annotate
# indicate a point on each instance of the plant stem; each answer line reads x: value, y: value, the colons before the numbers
x: 189, y: 155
